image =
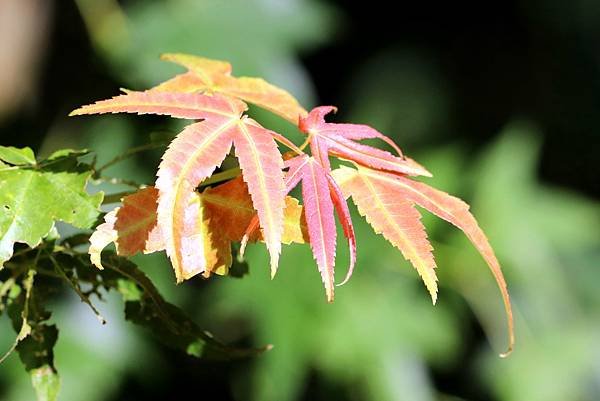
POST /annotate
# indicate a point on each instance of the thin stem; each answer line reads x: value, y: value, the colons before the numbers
x: 306, y: 142
x: 117, y: 181
x: 129, y: 153
x: 222, y: 176
x: 158, y: 303
x: 84, y: 298
x: 116, y: 197
x: 22, y: 252
x: 215, y: 178
x: 282, y: 139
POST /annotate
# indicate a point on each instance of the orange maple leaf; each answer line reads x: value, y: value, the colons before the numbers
x: 387, y: 202
x: 225, y: 210
x: 213, y: 76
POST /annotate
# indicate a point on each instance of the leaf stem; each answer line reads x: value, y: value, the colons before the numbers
x: 306, y: 142
x: 116, y: 197
x: 129, y: 153
x: 147, y: 292
x: 84, y: 298
x: 117, y: 181
x: 282, y: 139
x: 222, y: 176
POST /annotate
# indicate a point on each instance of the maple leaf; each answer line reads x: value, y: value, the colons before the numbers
x: 36, y: 194
x: 387, y: 201
x: 228, y: 209
x: 132, y: 227
x: 321, y: 195
x: 339, y: 140
x: 193, y: 156
x: 225, y: 210
x: 104, y: 235
x: 214, y: 76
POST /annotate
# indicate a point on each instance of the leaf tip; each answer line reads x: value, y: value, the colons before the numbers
x: 511, y: 338
x: 274, y: 265
x: 434, y: 298
x: 329, y: 293
x: 506, y: 353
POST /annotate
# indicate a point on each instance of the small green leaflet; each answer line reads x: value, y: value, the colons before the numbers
x: 34, y: 196
x: 16, y: 156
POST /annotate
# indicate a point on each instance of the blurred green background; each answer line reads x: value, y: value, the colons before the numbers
x: 500, y: 100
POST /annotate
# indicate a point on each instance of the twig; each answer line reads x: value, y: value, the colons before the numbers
x: 129, y: 153
x: 84, y: 298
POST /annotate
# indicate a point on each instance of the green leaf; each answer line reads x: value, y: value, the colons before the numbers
x: 46, y: 383
x: 36, y: 339
x: 36, y: 350
x: 17, y: 156
x: 67, y: 153
x: 32, y: 199
x: 129, y: 290
x: 145, y: 306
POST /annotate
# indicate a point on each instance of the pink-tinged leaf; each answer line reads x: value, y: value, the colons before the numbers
x: 192, y: 157
x: 375, y: 158
x: 136, y: 224
x: 104, y: 235
x: 318, y: 211
x: 261, y: 165
x: 394, y: 217
x: 180, y: 105
x: 341, y: 208
x: 448, y: 208
x: 320, y: 148
x: 339, y: 140
x: 355, y: 132
x: 213, y: 76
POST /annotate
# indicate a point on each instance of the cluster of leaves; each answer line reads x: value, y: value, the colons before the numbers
x: 203, y: 218
x: 36, y: 263
x: 197, y: 231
